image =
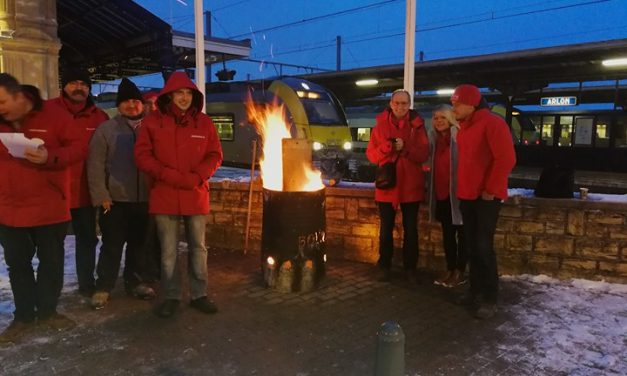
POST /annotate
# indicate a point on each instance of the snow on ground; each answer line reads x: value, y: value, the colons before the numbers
x: 578, y: 327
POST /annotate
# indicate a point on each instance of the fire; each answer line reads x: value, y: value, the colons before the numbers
x: 271, y: 125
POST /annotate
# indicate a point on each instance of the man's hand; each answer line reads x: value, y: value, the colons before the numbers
x: 486, y: 196
x: 37, y: 155
x: 106, y: 205
x: 399, y: 144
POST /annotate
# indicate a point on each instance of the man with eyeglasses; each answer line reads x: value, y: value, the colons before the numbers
x: 76, y: 100
x: 399, y: 137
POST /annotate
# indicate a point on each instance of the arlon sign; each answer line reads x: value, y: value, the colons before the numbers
x: 558, y: 101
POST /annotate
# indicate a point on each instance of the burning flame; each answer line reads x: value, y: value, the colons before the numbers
x: 272, y: 127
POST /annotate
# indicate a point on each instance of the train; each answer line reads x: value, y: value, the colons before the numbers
x: 313, y: 113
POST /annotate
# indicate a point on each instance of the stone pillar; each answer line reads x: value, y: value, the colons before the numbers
x: 29, y: 46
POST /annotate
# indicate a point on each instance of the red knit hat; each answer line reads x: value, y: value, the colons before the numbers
x: 467, y: 94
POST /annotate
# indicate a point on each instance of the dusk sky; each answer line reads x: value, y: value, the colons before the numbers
x: 304, y: 32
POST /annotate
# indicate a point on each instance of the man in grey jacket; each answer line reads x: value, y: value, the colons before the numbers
x: 119, y: 190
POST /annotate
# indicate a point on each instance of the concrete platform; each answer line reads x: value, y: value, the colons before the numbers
x: 331, y: 331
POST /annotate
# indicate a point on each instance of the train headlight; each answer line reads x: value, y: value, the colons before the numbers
x: 317, y: 146
x: 347, y: 145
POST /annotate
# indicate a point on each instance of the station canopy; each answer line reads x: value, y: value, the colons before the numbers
x: 119, y: 38
x: 510, y: 73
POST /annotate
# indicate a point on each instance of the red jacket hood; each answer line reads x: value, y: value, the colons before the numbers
x: 179, y: 80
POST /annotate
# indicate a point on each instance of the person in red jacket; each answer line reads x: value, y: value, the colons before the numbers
x: 178, y: 146
x: 486, y: 157
x: 399, y: 135
x: 75, y: 99
x: 34, y: 203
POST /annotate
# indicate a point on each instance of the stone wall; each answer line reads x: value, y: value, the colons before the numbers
x: 564, y: 238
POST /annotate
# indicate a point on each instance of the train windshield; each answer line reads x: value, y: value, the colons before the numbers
x: 322, y: 111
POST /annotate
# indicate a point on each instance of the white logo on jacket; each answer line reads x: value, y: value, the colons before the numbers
x: 198, y: 136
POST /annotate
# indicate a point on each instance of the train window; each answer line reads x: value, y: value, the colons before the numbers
x: 566, y: 131
x: 621, y: 132
x: 224, y: 125
x: 363, y: 134
x: 321, y: 112
x: 531, y: 130
x: 547, y: 130
x: 583, y: 131
x: 603, y: 132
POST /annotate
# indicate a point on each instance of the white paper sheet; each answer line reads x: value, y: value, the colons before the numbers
x: 16, y: 143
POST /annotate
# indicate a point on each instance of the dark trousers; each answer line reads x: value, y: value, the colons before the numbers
x: 34, y: 297
x: 84, y: 227
x: 452, y: 237
x: 480, y: 219
x: 125, y: 223
x: 387, y: 215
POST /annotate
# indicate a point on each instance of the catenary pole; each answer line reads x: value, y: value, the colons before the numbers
x: 200, y: 47
x: 410, y: 47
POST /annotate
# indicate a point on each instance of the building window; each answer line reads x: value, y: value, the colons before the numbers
x: 566, y: 131
x: 224, y: 125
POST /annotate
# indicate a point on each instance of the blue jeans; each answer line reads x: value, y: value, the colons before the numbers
x: 168, y: 229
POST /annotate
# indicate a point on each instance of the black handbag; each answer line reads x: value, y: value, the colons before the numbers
x: 385, y: 175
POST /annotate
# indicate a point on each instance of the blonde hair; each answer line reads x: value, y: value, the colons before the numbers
x: 448, y: 113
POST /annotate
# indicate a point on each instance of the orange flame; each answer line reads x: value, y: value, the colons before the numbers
x: 271, y: 125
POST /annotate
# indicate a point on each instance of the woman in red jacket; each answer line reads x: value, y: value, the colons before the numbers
x: 444, y: 205
x: 399, y: 135
x: 178, y: 146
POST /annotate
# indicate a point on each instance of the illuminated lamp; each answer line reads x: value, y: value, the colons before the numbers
x: 367, y: 82
x: 615, y: 62
x: 317, y: 146
x: 312, y: 95
x: 347, y: 145
x: 300, y: 93
x: 445, y: 91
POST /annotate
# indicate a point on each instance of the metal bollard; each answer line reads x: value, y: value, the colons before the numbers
x: 390, y: 359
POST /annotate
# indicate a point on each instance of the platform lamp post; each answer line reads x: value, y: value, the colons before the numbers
x: 410, y: 48
x: 200, y: 47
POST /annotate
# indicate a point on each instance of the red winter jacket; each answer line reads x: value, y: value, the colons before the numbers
x: 486, y: 156
x: 410, y: 181
x: 85, y: 123
x: 179, y: 152
x: 35, y: 195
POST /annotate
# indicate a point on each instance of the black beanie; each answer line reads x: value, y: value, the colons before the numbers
x: 75, y: 75
x: 127, y: 90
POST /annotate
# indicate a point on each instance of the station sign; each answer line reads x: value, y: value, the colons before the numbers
x: 558, y: 101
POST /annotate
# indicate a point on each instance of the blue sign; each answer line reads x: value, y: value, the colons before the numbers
x: 558, y: 101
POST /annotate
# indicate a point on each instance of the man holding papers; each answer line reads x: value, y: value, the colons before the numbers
x: 34, y: 205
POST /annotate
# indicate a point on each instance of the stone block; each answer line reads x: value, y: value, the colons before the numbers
x: 575, y: 222
x: 543, y: 264
x: 555, y: 228
x: 337, y: 227
x: 597, y: 249
x: 335, y: 202
x: 554, y: 245
x: 577, y: 268
x: 548, y: 214
x: 527, y: 227
x: 352, y: 209
x: 335, y: 213
x: 499, y: 241
x: 505, y: 225
x: 608, y: 218
x: 596, y: 230
x: 519, y: 242
x: 367, y: 203
x: 367, y: 230
x: 511, y: 211
x: 222, y: 218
